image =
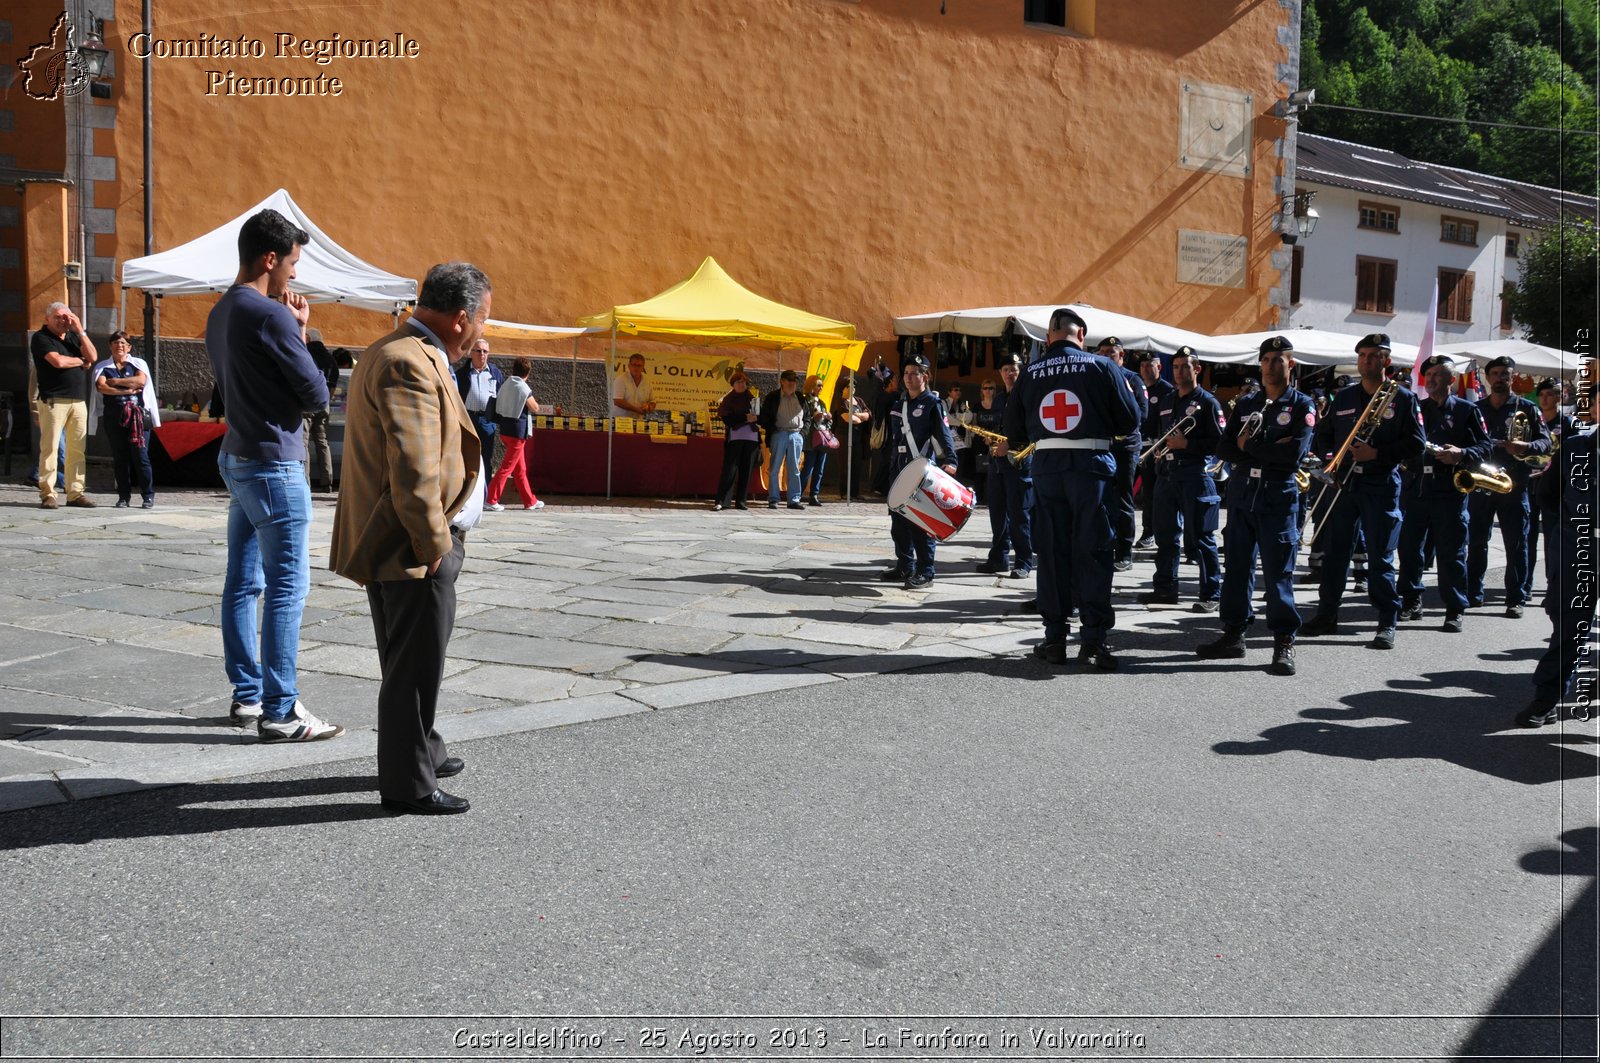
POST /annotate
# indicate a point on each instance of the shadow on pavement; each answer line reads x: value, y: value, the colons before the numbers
x: 176, y: 810
x: 1473, y: 731
x: 1559, y: 979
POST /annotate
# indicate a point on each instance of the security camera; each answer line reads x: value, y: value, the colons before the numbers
x: 1302, y: 99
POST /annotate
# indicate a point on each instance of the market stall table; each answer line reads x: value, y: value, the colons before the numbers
x: 564, y: 462
x: 185, y: 453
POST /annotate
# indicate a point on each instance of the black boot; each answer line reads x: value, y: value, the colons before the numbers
x: 1230, y: 644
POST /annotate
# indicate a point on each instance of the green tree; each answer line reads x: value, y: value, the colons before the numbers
x: 1556, y: 300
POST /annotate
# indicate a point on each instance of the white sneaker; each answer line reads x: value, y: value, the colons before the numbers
x: 494, y: 507
x: 244, y: 714
x: 537, y: 505
x: 301, y: 726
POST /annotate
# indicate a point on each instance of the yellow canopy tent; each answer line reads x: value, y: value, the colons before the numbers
x: 711, y: 308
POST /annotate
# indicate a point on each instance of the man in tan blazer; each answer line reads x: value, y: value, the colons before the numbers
x: 411, y: 486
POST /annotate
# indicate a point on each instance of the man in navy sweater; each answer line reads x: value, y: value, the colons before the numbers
x: 256, y: 341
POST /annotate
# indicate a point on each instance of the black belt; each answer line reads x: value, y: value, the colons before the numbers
x: 1271, y: 477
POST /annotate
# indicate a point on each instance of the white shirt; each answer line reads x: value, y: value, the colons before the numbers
x: 472, y: 512
x: 480, y: 390
x: 625, y: 388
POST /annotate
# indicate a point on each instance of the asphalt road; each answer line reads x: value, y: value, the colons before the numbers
x: 1227, y: 864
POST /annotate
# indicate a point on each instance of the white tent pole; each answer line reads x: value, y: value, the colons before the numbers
x: 572, y: 390
x: 122, y: 312
x: 611, y: 414
x: 850, y: 427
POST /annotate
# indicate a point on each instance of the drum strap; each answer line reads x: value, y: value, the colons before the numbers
x: 905, y: 427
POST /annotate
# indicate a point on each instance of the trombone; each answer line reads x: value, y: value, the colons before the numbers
x: 1016, y: 457
x: 1160, y: 448
x: 1332, y: 474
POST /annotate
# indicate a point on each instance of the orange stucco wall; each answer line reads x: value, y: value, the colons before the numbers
x: 860, y: 160
x: 38, y: 142
x: 44, y: 226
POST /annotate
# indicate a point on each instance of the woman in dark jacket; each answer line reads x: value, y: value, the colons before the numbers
x: 742, y: 444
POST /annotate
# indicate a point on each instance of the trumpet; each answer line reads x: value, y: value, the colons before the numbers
x: 1160, y: 448
x: 1015, y: 457
x: 1252, y: 424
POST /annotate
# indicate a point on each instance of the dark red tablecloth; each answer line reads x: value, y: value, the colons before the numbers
x: 574, y: 463
x: 185, y: 452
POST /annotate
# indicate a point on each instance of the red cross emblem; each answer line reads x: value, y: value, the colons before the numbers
x: 1060, y: 411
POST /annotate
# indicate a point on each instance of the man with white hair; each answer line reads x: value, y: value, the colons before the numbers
x: 63, y: 354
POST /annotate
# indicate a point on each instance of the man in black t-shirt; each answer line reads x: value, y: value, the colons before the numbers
x: 62, y: 355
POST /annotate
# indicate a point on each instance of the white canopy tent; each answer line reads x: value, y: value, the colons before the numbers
x: 513, y: 330
x: 326, y: 273
x: 1531, y: 358
x: 1312, y: 346
x: 1135, y: 333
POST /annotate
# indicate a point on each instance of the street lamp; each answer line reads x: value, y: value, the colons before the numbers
x: 92, y: 57
x: 1299, y: 218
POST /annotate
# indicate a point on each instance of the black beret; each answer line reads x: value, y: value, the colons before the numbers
x: 1069, y: 315
x: 1110, y: 341
x: 1437, y: 360
x: 1504, y: 361
x: 918, y: 360
x: 1276, y: 343
x: 1009, y: 358
x: 1375, y: 339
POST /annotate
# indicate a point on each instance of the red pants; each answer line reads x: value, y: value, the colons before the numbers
x: 514, y: 463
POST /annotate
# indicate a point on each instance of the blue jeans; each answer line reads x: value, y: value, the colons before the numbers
x: 269, y: 521
x: 61, y: 461
x: 785, y: 453
x: 811, y: 478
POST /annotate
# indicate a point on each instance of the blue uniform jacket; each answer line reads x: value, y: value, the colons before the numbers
x: 1203, y: 438
x: 1132, y: 440
x: 923, y: 416
x: 1398, y: 437
x: 1071, y: 394
x: 1278, y: 448
x: 1545, y: 491
x: 1499, y: 421
x: 1456, y: 423
x: 1155, y: 395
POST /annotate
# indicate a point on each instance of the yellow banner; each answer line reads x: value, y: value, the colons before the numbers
x: 830, y: 363
x: 674, y: 381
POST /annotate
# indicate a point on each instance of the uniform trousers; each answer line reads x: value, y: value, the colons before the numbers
x: 1571, y: 621
x: 1373, y: 503
x: 1077, y: 547
x: 1441, y: 515
x: 1124, y: 513
x: 1187, y: 507
x: 1010, y: 515
x: 1511, y: 511
x: 1261, y: 522
x: 412, y: 620
x: 913, y: 547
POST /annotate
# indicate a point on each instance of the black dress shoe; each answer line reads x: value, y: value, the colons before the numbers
x: 1097, y: 657
x: 894, y: 575
x: 740, y: 505
x: 437, y: 803
x: 1319, y: 625
x: 990, y: 568
x: 451, y: 766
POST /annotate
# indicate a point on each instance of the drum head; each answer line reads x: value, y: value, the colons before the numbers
x: 906, y: 485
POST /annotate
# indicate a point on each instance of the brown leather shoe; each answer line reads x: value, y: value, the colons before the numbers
x: 82, y: 502
x: 49, y: 503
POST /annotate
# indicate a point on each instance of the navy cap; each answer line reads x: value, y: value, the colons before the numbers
x: 1185, y: 351
x: 1110, y: 341
x: 1505, y: 361
x: 1275, y: 343
x: 1375, y: 339
x: 918, y: 360
x: 1549, y: 383
x: 1068, y: 315
x: 1437, y: 360
x: 1009, y: 358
